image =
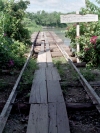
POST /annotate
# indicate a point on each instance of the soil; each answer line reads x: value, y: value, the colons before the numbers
x: 16, y: 124
x: 20, y: 112
x: 84, y: 121
x: 76, y: 95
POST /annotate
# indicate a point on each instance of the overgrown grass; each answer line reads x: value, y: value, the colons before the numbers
x: 27, y: 78
x: 60, y: 60
x: 58, y: 63
x: 87, y: 73
x: 29, y: 72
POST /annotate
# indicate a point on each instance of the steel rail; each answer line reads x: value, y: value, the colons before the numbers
x: 92, y: 94
x: 8, y: 106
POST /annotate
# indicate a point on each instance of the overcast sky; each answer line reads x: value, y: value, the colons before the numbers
x: 56, y: 5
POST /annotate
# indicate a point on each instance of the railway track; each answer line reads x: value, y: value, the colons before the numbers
x: 53, y: 40
x: 91, y: 92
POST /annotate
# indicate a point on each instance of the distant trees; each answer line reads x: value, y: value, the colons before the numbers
x: 46, y: 19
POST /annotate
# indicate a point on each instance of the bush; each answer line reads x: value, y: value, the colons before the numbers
x: 13, y: 34
x: 89, y: 39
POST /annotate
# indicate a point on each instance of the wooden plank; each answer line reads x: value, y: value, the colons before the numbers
x: 50, y: 65
x: 49, y: 58
x: 40, y: 74
x: 38, y: 119
x: 38, y: 42
x: 47, y: 46
x: 48, y: 54
x: 42, y: 36
x: 52, y: 118
x: 52, y: 74
x: 42, y: 65
x: 62, y: 119
x: 56, y: 54
x: 81, y: 64
x: 37, y: 49
x: 42, y: 46
x: 38, y: 92
x: 49, y: 74
x: 58, y: 119
x: 74, y: 59
x: 55, y: 50
x: 55, y: 74
x: 80, y: 106
x: 42, y: 59
x: 54, y: 92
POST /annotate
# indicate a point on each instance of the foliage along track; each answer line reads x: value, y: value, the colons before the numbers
x: 82, y: 102
x: 22, y: 96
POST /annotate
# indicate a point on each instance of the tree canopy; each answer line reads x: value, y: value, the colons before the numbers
x: 46, y: 19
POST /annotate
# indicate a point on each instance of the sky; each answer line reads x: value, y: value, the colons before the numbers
x: 63, y: 6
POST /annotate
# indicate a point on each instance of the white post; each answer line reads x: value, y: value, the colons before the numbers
x: 78, y: 34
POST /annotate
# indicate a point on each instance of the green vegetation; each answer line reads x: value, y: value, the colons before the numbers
x: 59, y: 62
x: 87, y: 73
x: 13, y: 35
x: 16, y: 26
x: 29, y: 72
x: 68, y: 73
x: 89, y: 38
x: 65, y: 70
x: 27, y: 76
x: 43, y: 18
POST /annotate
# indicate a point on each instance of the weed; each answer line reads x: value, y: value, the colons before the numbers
x: 27, y: 76
x: 88, y: 74
x: 3, y: 84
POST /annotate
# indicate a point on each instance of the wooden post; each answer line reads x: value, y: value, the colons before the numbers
x: 78, y: 34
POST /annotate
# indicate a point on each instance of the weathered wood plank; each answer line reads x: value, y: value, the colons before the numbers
x: 52, y: 118
x: 52, y: 74
x: 42, y: 59
x: 49, y: 58
x: 47, y: 46
x: 37, y: 49
x: 38, y: 92
x: 48, y: 54
x: 80, y: 106
x: 62, y: 119
x: 40, y: 74
x: 55, y: 74
x: 42, y: 46
x: 55, y: 50
x: 38, y: 119
x: 54, y: 92
x: 81, y: 64
x: 58, y: 119
x: 56, y: 54
x: 74, y: 59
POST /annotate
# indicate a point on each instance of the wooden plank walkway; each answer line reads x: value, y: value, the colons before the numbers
x: 48, y: 112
